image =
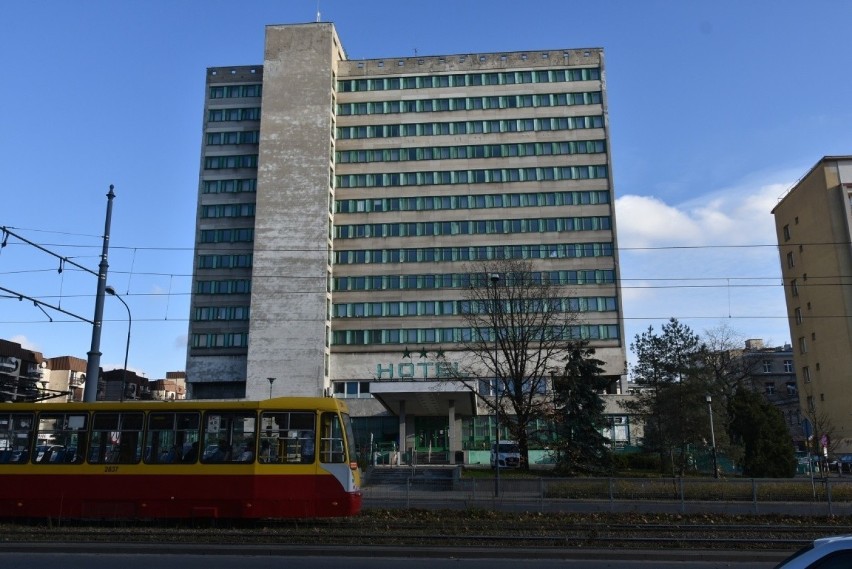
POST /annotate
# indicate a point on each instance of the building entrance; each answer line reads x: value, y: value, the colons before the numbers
x: 432, y: 441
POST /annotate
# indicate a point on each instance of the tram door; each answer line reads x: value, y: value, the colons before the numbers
x: 432, y: 441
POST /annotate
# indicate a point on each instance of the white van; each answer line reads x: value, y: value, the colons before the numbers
x: 508, y: 455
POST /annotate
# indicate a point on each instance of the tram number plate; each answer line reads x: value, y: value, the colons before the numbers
x: 110, y: 469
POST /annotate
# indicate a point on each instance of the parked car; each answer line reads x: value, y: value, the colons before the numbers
x: 506, y: 454
x: 824, y: 553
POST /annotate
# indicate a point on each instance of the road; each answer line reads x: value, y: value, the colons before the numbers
x: 136, y: 556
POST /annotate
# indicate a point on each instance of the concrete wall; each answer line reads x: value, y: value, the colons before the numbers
x: 289, y: 320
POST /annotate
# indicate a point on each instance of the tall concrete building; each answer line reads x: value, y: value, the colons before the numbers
x: 341, y: 201
x: 814, y: 228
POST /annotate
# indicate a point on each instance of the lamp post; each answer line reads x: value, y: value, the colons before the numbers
x: 712, y: 435
x: 495, y: 278
x: 111, y: 291
x: 271, y: 380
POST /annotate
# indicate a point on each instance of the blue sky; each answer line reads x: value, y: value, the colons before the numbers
x: 716, y: 107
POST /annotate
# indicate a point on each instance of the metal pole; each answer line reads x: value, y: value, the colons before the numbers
x: 712, y: 436
x: 271, y: 380
x: 495, y: 278
x: 111, y: 291
x: 93, y: 364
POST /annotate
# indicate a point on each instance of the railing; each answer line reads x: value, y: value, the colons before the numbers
x: 795, y: 496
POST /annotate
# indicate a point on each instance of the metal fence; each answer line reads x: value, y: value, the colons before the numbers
x: 795, y: 496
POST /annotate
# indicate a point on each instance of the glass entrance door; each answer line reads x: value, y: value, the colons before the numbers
x: 432, y: 434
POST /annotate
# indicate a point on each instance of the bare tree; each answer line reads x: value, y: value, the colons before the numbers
x: 521, y: 328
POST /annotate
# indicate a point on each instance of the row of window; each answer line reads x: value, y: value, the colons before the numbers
x: 465, y: 280
x: 227, y: 235
x: 235, y: 91
x: 468, y: 127
x: 228, y: 210
x: 224, y: 261
x: 429, y: 203
x: 457, y: 307
x: 480, y: 227
x: 203, y: 313
x: 131, y: 437
x: 233, y: 137
x: 792, y: 390
x: 233, y: 286
x: 414, y: 282
x: 449, y: 177
x: 526, y: 101
x: 767, y: 366
x: 473, y: 253
x: 239, y: 161
x: 469, y: 79
x: 230, y: 115
x: 229, y: 340
x: 462, y: 335
x: 229, y: 186
x: 472, y: 151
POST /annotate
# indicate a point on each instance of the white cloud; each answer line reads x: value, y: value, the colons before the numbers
x: 25, y: 343
x: 706, y: 260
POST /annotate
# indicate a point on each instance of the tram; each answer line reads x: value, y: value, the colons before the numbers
x: 286, y: 457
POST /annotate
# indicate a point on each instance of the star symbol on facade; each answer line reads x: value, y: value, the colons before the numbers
x: 423, y: 353
x: 439, y: 353
x: 406, y: 353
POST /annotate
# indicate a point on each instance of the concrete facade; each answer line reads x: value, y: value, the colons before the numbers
x: 814, y: 230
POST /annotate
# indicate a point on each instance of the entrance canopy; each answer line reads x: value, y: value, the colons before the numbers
x: 424, y: 398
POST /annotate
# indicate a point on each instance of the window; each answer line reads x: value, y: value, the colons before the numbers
x: 66, y: 433
x: 767, y: 366
x: 287, y: 437
x: 794, y: 287
x: 788, y: 366
x: 228, y: 437
x: 786, y: 233
x: 790, y: 263
x: 803, y: 345
x: 806, y: 374
x: 798, y: 314
x: 172, y: 438
x: 769, y: 388
x: 16, y: 435
x: 116, y: 438
x: 792, y: 390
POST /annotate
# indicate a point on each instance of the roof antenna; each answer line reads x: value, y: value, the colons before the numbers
x: 318, y: 12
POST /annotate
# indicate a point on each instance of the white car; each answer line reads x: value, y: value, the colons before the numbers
x: 824, y: 553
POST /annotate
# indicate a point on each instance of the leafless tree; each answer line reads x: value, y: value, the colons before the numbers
x: 520, y: 329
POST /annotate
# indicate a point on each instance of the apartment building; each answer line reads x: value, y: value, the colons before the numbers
x: 342, y: 203
x: 813, y: 224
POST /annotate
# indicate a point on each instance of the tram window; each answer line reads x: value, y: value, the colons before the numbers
x: 229, y: 437
x: 332, y: 448
x: 287, y: 437
x: 172, y: 438
x: 116, y: 438
x: 16, y: 436
x: 61, y: 438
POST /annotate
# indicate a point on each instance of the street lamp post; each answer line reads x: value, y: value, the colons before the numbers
x: 495, y: 278
x: 271, y: 380
x: 712, y: 435
x: 111, y: 291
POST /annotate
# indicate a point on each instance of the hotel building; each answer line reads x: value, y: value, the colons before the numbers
x: 342, y: 203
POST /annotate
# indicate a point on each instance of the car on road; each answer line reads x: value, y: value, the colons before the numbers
x: 825, y: 553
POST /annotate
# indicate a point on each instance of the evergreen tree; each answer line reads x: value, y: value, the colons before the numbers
x: 760, y: 428
x: 578, y: 415
x: 667, y: 399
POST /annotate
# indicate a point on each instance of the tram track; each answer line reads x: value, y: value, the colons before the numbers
x: 454, y: 529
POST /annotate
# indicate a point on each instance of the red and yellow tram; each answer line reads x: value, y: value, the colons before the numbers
x: 280, y: 458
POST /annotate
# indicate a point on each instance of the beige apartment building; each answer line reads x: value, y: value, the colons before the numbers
x: 341, y: 201
x: 814, y: 229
